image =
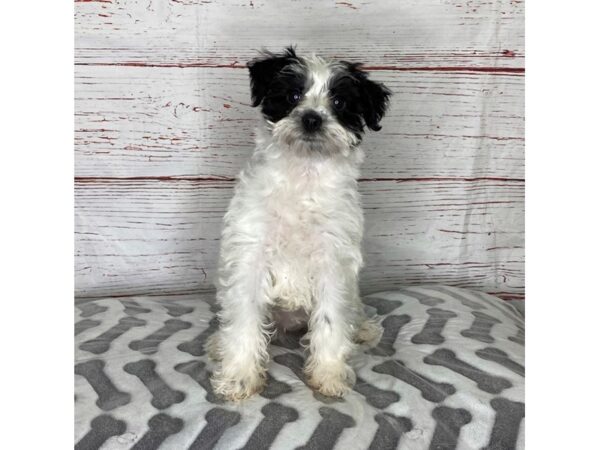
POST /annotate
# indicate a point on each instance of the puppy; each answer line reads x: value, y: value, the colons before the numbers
x: 290, y: 247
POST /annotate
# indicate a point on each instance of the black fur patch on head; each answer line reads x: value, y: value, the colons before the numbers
x: 356, y: 100
x: 273, y: 82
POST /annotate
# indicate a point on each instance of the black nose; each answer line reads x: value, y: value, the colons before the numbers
x: 312, y: 121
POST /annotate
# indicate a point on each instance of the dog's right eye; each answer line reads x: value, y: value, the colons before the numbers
x: 294, y: 97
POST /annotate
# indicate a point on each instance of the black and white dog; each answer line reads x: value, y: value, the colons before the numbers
x: 290, y: 249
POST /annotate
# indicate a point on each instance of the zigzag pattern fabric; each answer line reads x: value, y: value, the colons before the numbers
x: 447, y: 374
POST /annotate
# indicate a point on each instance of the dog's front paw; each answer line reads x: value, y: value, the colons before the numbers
x: 237, y: 388
x: 334, y: 380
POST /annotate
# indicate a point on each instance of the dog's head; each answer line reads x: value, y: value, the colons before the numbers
x: 315, y: 105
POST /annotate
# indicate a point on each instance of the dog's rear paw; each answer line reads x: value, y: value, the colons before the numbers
x: 369, y: 333
x: 213, y: 347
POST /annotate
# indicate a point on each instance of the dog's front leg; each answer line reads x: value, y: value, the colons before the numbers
x: 331, y: 332
x: 242, y: 340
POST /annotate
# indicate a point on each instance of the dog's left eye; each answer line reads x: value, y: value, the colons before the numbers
x: 338, y: 103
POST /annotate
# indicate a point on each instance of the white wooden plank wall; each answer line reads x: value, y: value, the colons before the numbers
x: 163, y: 125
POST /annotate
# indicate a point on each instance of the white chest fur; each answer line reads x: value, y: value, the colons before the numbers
x: 301, y: 214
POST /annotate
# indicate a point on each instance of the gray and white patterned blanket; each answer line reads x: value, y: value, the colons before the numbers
x: 448, y: 373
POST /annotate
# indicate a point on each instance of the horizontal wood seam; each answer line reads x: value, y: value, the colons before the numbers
x: 230, y: 179
x: 491, y: 70
x: 502, y: 295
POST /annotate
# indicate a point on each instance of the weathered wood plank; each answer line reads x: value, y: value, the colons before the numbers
x: 135, y: 237
x: 427, y: 34
x: 162, y: 94
x: 133, y: 121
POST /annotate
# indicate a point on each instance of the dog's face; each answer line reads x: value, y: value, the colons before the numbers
x: 316, y: 106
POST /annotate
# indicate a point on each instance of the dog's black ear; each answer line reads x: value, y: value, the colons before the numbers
x: 374, y: 97
x: 264, y: 68
x: 375, y: 100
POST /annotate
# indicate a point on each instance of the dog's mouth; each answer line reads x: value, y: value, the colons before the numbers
x: 314, y: 144
x: 311, y: 138
x: 319, y: 141
x: 316, y: 137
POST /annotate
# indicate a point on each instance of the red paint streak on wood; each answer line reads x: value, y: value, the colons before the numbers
x: 94, y: 130
x: 419, y: 56
x: 453, y: 231
x: 237, y: 65
x: 504, y: 70
x: 435, y: 179
x: 466, y: 263
x: 226, y: 105
x: 230, y: 179
x: 508, y: 53
x: 461, y: 232
x: 233, y: 65
x: 346, y: 4
x: 150, y: 178
x: 496, y: 138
